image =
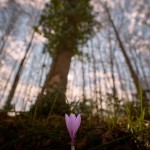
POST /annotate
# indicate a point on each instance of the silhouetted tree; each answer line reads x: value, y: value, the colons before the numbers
x: 66, y: 25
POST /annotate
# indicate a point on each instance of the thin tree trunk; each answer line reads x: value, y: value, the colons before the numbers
x: 94, y: 75
x: 131, y: 69
x: 121, y: 46
x: 83, y: 78
x: 17, y: 78
x: 112, y: 65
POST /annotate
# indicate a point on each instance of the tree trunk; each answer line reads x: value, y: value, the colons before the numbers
x: 56, y: 79
x: 121, y: 46
x: 134, y: 76
x: 52, y: 98
x: 17, y: 78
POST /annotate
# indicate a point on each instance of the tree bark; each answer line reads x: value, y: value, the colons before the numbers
x: 52, y: 97
x: 57, y: 76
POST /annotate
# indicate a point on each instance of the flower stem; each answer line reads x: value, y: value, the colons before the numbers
x: 72, y: 145
x: 73, y: 148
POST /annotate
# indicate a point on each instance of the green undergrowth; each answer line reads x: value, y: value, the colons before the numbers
x: 25, y: 132
x: 121, y: 127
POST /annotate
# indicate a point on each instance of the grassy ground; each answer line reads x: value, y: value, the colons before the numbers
x: 25, y: 132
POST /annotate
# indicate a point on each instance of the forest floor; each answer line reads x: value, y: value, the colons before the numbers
x: 25, y: 132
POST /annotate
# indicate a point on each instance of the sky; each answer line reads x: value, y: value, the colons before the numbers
x: 25, y: 14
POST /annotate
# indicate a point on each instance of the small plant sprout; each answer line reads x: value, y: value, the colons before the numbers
x: 72, y: 123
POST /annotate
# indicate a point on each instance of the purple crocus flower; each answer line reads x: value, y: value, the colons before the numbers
x: 73, y: 124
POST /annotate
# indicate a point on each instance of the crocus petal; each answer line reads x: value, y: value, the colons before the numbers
x: 72, y: 124
x: 67, y: 122
x: 77, y: 123
x: 69, y: 126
